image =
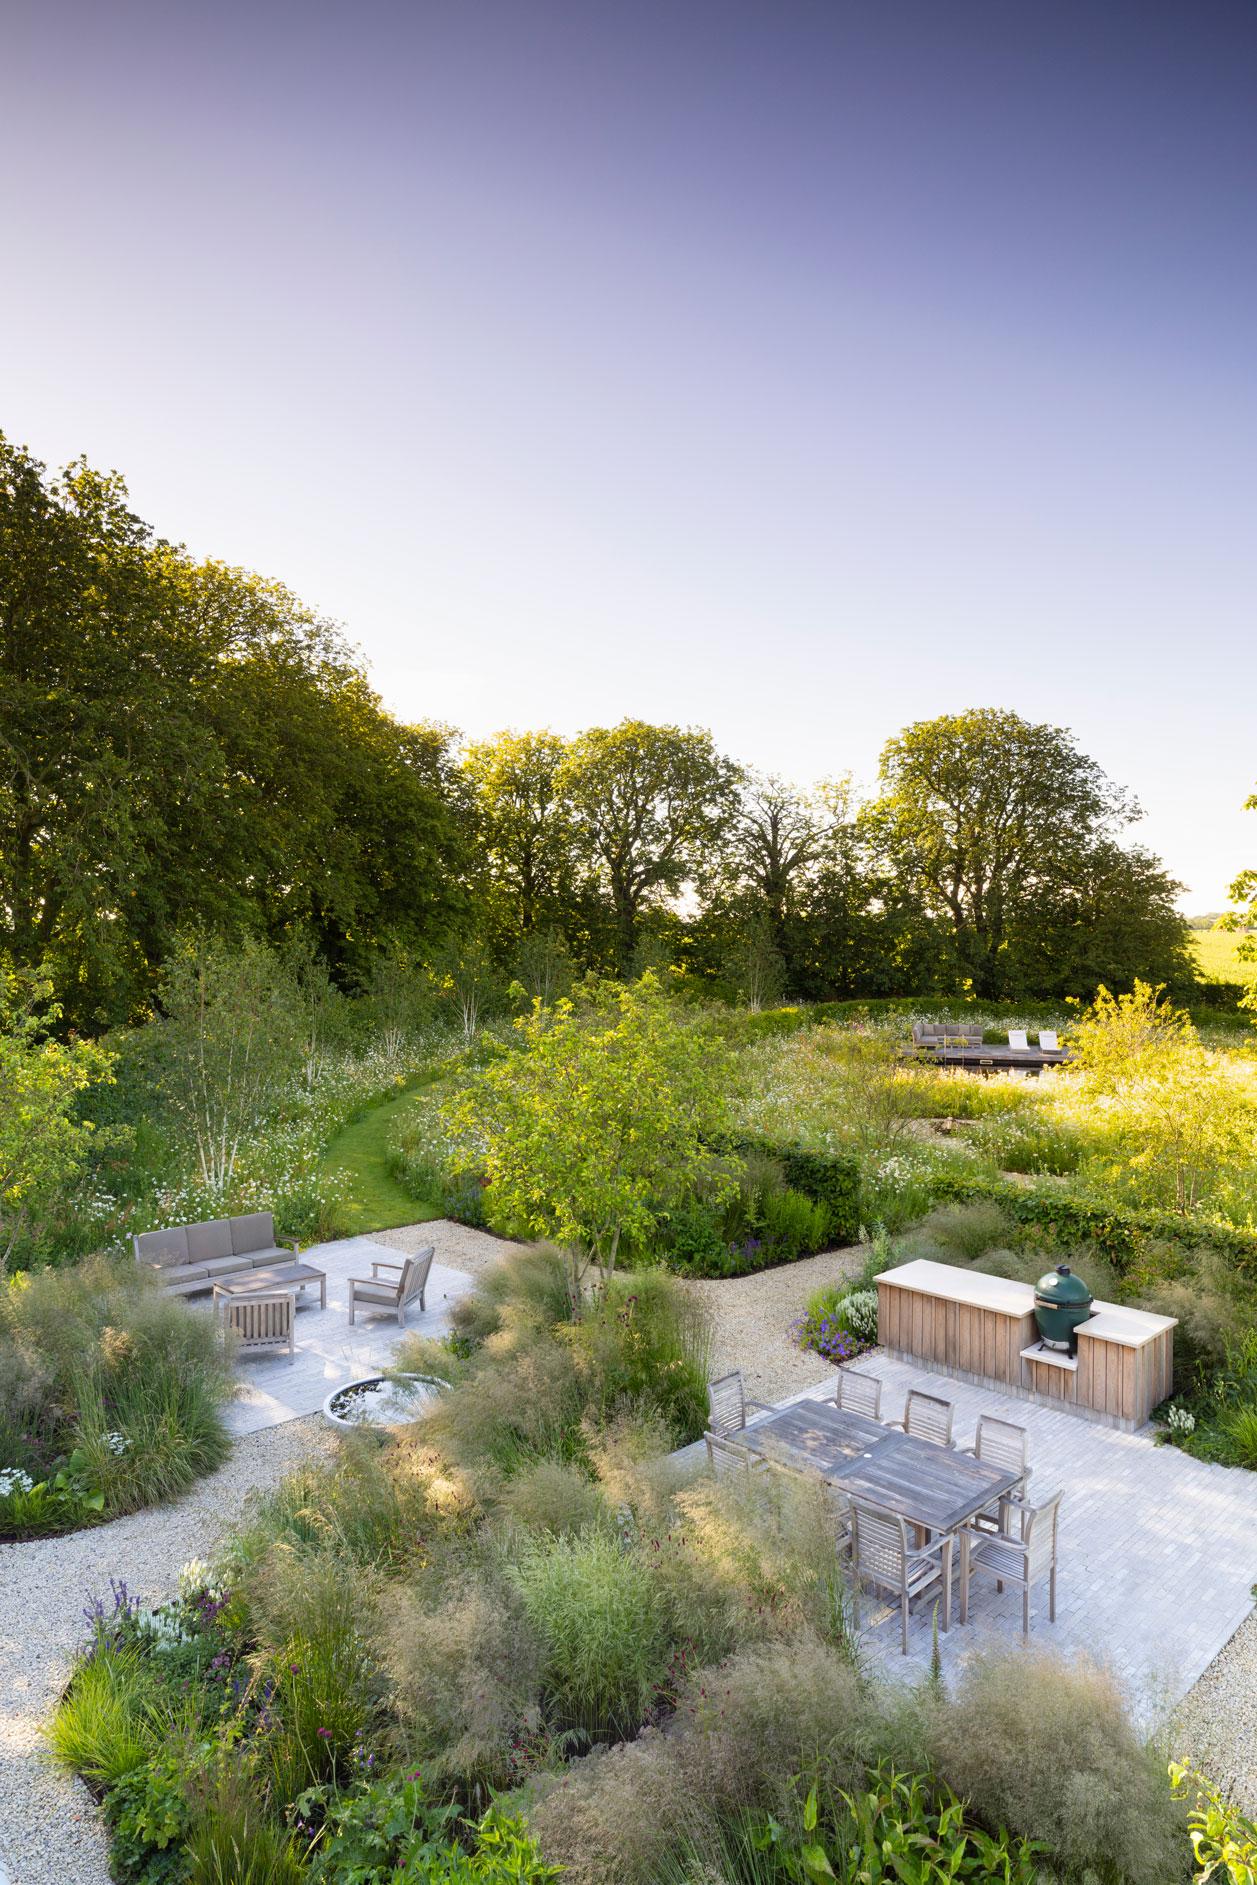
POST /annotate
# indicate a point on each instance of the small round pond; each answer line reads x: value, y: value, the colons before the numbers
x: 378, y: 1400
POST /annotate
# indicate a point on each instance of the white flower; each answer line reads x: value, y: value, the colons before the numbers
x: 1180, y: 1421
x: 14, y: 1480
x: 117, y: 1443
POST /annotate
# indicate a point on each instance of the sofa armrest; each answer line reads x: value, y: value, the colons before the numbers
x: 383, y: 1264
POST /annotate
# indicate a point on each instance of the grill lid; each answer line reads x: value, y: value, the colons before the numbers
x: 1060, y: 1287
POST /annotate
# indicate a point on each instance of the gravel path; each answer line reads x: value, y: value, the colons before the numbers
x: 751, y: 1317
x: 1215, y: 1726
x: 49, y: 1832
x: 457, y: 1246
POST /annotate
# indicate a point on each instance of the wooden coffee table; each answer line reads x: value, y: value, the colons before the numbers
x: 293, y: 1276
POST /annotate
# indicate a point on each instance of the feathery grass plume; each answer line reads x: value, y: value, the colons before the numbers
x: 1046, y: 1749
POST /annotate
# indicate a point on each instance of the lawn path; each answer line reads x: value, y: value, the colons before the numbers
x: 361, y: 1151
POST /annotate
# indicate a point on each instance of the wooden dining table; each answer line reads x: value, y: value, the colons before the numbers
x: 935, y: 1488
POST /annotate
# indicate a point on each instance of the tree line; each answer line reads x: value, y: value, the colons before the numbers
x: 184, y: 746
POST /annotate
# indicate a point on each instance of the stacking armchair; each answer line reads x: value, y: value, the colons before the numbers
x: 1020, y: 1554
x: 881, y: 1555
x: 377, y: 1293
x: 1001, y: 1443
x: 263, y: 1323
x: 727, y: 1404
x: 926, y: 1417
x: 859, y: 1393
x: 731, y: 1462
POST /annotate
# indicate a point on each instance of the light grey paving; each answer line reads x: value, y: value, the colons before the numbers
x: 329, y: 1352
x: 1158, y: 1551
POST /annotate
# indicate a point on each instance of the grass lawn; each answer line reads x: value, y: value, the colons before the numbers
x: 378, y: 1201
x: 1216, y: 951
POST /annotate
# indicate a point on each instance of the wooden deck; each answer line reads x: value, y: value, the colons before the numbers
x: 991, y: 1059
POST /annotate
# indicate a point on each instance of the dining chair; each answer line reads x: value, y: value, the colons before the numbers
x: 859, y: 1393
x: 1003, y: 1444
x: 727, y: 1404
x: 926, y: 1417
x: 881, y: 1555
x: 1020, y: 1555
x: 732, y: 1463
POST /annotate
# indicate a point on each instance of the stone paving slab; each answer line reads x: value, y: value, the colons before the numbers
x: 1158, y: 1551
x: 329, y: 1351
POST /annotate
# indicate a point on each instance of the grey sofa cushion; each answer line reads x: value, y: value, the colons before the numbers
x: 256, y: 1231
x: 187, y: 1273
x: 265, y: 1259
x: 371, y: 1292
x: 226, y: 1266
x: 209, y: 1241
x: 161, y: 1248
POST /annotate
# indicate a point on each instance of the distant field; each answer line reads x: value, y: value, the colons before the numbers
x: 1216, y: 950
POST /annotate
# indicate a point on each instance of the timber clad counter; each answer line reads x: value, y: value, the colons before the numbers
x: 982, y: 1329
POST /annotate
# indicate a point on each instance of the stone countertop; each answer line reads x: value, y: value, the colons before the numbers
x: 1109, y: 1321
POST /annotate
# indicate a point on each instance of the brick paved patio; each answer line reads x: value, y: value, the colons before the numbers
x: 1158, y: 1551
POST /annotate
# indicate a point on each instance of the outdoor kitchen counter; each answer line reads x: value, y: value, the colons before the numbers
x: 982, y: 1329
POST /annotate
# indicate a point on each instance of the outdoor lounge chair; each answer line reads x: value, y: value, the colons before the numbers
x: 1048, y: 1042
x: 727, y: 1404
x: 377, y: 1293
x: 926, y: 1417
x: 1001, y: 1443
x: 1019, y: 1555
x: 264, y: 1323
x: 882, y: 1556
x: 1017, y: 1040
x: 859, y: 1393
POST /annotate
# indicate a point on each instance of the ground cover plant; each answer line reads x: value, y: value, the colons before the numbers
x: 513, y: 1641
x: 111, y: 1396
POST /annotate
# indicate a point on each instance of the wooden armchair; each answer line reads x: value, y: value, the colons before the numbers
x: 377, y: 1293
x: 926, y: 1417
x: 859, y: 1393
x: 1020, y: 1555
x: 882, y: 1556
x: 1001, y: 1443
x: 727, y: 1404
x: 263, y: 1322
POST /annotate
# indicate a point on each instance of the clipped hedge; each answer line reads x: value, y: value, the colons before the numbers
x: 832, y: 1180
x: 1065, y: 1218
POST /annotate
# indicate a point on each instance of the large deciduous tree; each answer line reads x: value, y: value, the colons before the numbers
x: 523, y: 822
x: 184, y: 742
x: 988, y: 815
x: 653, y: 805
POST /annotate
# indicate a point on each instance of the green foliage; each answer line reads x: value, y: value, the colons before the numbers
x: 43, y: 1144
x: 111, y: 1394
x: 186, y: 743
x: 605, y: 1630
x: 375, y: 1831
x: 101, y: 1728
x: 149, y: 1815
x: 1224, y: 1842
x: 833, y: 1181
x: 603, y: 1122
x: 897, y: 1832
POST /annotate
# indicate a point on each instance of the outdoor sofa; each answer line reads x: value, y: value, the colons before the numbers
x: 190, y: 1258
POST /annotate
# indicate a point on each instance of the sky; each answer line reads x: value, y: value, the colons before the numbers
x: 796, y: 370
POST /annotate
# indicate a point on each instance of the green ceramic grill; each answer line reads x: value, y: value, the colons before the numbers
x: 1061, y: 1301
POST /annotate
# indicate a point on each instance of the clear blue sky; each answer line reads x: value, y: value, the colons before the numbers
x: 792, y: 369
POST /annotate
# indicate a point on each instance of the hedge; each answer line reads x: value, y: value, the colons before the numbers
x: 833, y: 1181
x: 1065, y: 1218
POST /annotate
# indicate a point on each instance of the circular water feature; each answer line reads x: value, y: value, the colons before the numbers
x: 380, y: 1401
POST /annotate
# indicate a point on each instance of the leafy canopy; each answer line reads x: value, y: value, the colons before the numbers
x: 603, y: 1122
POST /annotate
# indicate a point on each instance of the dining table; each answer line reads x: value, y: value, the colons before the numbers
x: 937, y: 1489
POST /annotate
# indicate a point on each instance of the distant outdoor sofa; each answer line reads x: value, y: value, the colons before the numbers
x: 189, y: 1258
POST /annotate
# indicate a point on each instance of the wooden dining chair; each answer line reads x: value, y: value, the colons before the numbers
x: 1003, y: 1444
x: 881, y: 1555
x: 926, y: 1417
x: 1021, y: 1555
x: 859, y: 1393
x: 734, y: 1464
x: 727, y: 1404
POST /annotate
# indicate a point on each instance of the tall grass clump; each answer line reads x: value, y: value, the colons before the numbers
x: 103, y: 1728
x: 103, y: 1375
x: 1046, y: 1749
